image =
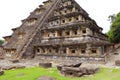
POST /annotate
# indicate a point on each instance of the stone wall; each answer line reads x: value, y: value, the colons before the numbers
x: 1, y: 51
x: 70, y: 59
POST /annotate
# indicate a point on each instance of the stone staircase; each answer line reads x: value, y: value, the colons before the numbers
x: 41, y: 22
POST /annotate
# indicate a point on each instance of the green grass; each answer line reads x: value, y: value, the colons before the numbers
x: 35, y: 72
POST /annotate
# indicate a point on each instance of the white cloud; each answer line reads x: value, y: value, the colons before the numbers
x: 12, y: 12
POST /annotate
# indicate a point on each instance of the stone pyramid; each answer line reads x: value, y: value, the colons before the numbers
x: 57, y: 28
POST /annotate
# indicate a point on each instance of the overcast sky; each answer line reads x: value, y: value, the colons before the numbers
x: 13, y: 11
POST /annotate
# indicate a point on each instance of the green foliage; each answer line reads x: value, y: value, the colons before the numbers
x: 111, y: 18
x: 114, y: 33
x: 36, y: 72
x: 1, y: 41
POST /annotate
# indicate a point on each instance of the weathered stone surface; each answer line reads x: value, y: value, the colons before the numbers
x: 83, y: 70
x: 1, y: 58
x: 90, y: 71
x: 46, y: 78
x: 45, y: 65
x: 59, y: 67
x: 13, y: 67
x: 15, y: 61
x: 1, y: 71
x: 77, y: 71
x: 8, y: 67
x: 73, y: 65
x: 117, y: 62
x: 71, y: 71
x: 19, y: 66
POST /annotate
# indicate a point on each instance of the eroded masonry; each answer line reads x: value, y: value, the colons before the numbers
x: 58, y: 29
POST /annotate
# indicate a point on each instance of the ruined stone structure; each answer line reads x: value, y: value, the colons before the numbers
x: 58, y: 29
x: 1, y: 51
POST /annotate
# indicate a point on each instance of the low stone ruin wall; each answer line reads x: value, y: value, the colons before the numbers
x: 72, y: 58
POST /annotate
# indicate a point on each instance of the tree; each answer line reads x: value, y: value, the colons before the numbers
x: 111, y: 18
x: 1, y: 42
x: 114, y: 33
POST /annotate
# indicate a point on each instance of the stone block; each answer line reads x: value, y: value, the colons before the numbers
x: 117, y: 62
x: 77, y: 71
x: 45, y: 65
x: 59, y: 68
x: 1, y: 73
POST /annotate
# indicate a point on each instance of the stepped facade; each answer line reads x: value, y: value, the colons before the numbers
x: 58, y: 29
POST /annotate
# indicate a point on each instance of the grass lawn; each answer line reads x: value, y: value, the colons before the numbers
x: 35, y: 72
